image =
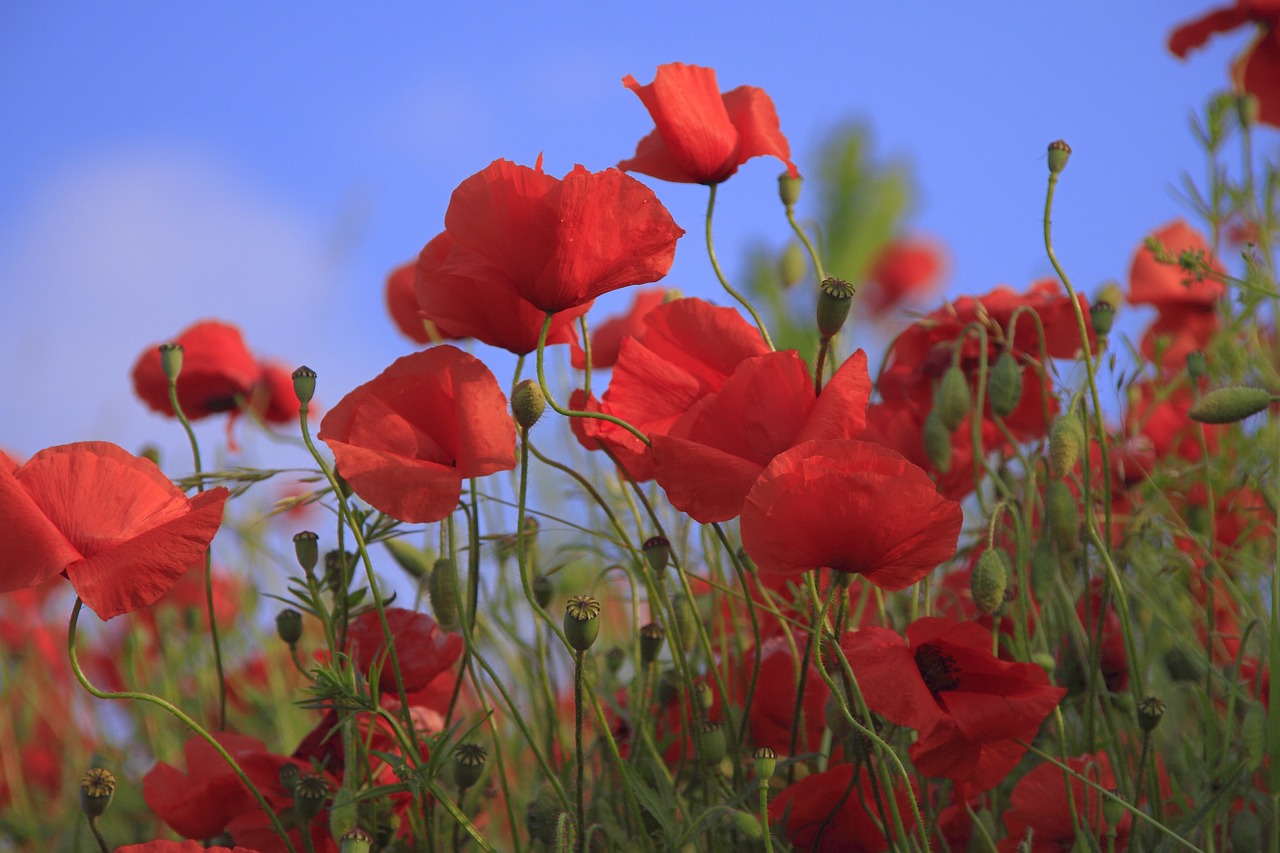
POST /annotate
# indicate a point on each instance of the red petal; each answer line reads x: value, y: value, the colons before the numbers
x: 759, y: 133
x: 692, y: 122
x: 1193, y: 35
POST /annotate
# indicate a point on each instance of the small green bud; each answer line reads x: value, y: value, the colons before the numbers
x: 1102, y: 315
x: 651, y: 637
x: 442, y: 592
x: 582, y: 622
x: 407, y: 557
x: 1066, y: 443
x: 1059, y: 154
x: 614, y: 659
x: 97, y: 787
x: 306, y: 545
x: 657, y: 553
x: 835, y: 298
x: 1150, y: 712
x: 704, y: 695
x: 171, y: 361
x: 952, y: 400
x: 542, y: 590
x: 686, y: 620
x: 1045, y: 661
x: 746, y: 825
x: 1004, y: 385
x: 310, y: 790
x: 789, y: 189
x: 528, y: 403
x: 468, y: 764
x: 1197, y: 364
x: 151, y: 453
x: 1253, y: 733
x: 289, y: 626
x: 1062, y: 514
x: 1247, y: 112
x: 766, y: 762
x: 1228, y: 405
x: 1044, y: 563
x: 989, y: 579
x: 288, y: 776
x: 304, y: 385
x: 937, y: 441
x: 714, y: 743
x: 792, y: 265
x: 356, y: 841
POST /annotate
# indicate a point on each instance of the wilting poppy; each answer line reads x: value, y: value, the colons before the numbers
x: 850, y: 506
x: 406, y: 439
x: 218, y: 372
x: 606, y: 339
x: 202, y: 801
x: 119, y: 530
x: 422, y: 648
x: 1257, y: 70
x: 702, y: 137
x: 835, y: 811
x: 557, y: 244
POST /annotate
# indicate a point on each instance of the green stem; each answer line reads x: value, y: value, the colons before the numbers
x: 579, y: 669
x: 808, y: 244
x: 724, y: 282
x: 97, y: 835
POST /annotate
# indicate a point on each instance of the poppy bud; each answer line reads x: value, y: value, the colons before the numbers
x: 1059, y: 154
x: 542, y: 814
x: 952, y: 400
x: 97, y: 787
x: 310, y: 790
x: 1228, y: 405
x: 1044, y: 563
x: 836, y: 721
x: 686, y: 620
x: 442, y: 592
x: 356, y: 841
x: 937, y: 441
x: 835, y: 298
x: 1197, y: 364
x: 306, y: 547
x: 289, y: 626
x: 657, y: 553
x: 582, y: 622
x: 528, y: 403
x: 651, y: 637
x: 1247, y: 112
x: 1150, y: 711
x: 542, y: 590
x: 1063, y: 516
x: 989, y: 579
x: 789, y: 189
x: 792, y: 264
x: 468, y: 764
x: 714, y: 743
x: 407, y: 557
x: 304, y: 384
x: 1004, y: 385
x: 614, y: 659
x: 703, y: 694
x: 766, y: 762
x: 1113, y: 811
x: 1253, y: 733
x: 1066, y: 441
x: 171, y: 361
x: 746, y: 825
x: 1102, y: 315
x: 151, y: 453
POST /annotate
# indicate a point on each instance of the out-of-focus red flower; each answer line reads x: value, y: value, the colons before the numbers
x: 252, y: 828
x: 834, y: 812
x: 773, y: 705
x: 273, y: 398
x: 187, y: 601
x: 606, y: 339
x: 406, y: 439
x: 702, y: 137
x: 710, y: 458
x: 110, y: 521
x: 849, y: 506
x: 179, y: 847
x: 1113, y: 659
x: 8, y: 462
x: 1257, y: 70
x: 1160, y: 414
x: 423, y: 649
x: 899, y: 425
x: 481, y: 306
x: 969, y: 707
x: 201, y: 802
x: 557, y: 244
x: 402, y: 305
x: 1186, y: 302
x: 218, y: 372
x: 904, y: 271
x: 1040, y: 805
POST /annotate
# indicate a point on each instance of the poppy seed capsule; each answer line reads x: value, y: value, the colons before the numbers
x: 171, y: 361
x: 714, y: 743
x: 289, y: 626
x: 988, y: 581
x: 789, y: 189
x: 1066, y: 441
x: 937, y: 442
x: 542, y: 590
x: 468, y: 764
x: 1004, y: 385
x: 97, y: 787
x: 952, y: 400
x: 542, y: 814
x: 310, y: 790
x: 356, y: 841
x: 306, y: 546
x: 766, y: 762
x: 1063, y: 516
x: 651, y: 637
x: 581, y: 622
x: 657, y: 553
x: 528, y: 403
x: 442, y: 592
x: 1228, y: 405
x: 1059, y: 154
x: 1102, y: 315
x: 1113, y: 809
x: 835, y: 298
x: 304, y: 384
x: 1150, y: 712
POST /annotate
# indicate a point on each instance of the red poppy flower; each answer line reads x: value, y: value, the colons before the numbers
x: 849, y: 506
x: 557, y: 244
x: 179, y: 847
x: 402, y: 305
x: 1166, y: 285
x: 1041, y: 807
x: 1257, y: 70
x: 702, y: 137
x: 832, y: 812
x: 218, y: 372
x: 201, y: 802
x: 773, y: 706
x: 606, y: 339
x: 406, y: 439
x: 423, y: 649
x: 710, y: 458
x: 110, y: 521
x: 1113, y: 658
x: 969, y: 707
x: 273, y: 398
x: 905, y: 270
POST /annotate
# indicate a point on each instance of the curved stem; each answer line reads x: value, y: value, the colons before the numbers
x: 808, y: 244
x: 724, y: 282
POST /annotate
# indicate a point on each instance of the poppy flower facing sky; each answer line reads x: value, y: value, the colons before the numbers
x: 119, y: 530
x: 702, y: 136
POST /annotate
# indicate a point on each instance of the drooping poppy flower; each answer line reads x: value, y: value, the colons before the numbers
x: 1257, y: 70
x: 836, y: 811
x: 1040, y: 806
x: 702, y: 136
x: 402, y: 305
x: 904, y: 271
x: 969, y: 707
x: 423, y: 649
x: 606, y: 339
x: 849, y: 506
x: 710, y: 458
x: 202, y: 801
x: 218, y: 372
x: 119, y: 530
x: 555, y: 243
x: 406, y: 439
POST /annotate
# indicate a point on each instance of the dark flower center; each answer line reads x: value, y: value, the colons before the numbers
x: 937, y: 668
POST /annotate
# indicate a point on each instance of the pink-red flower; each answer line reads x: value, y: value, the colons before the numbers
x: 179, y: 847
x: 836, y: 811
x: 202, y: 801
x: 402, y: 305
x: 702, y: 136
x: 904, y: 271
x: 109, y: 521
x: 606, y: 339
x: 406, y: 439
x: 218, y: 372
x: 1257, y: 70
x: 422, y: 648
x: 1041, y: 807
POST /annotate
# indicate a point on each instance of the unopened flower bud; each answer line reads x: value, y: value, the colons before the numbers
x: 304, y: 385
x: 1150, y: 711
x: 1059, y: 154
x: 1066, y: 442
x: 582, y: 622
x: 937, y: 441
x: 704, y: 695
x: 310, y: 790
x: 766, y: 762
x: 651, y: 637
x: 836, y: 721
x: 289, y: 626
x: 792, y: 265
x: 1228, y: 405
x: 171, y: 361
x: 746, y: 825
x: 668, y: 687
x: 1062, y: 513
x: 542, y: 590
x: 468, y: 764
x: 952, y: 400
x: 657, y: 553
x: 988, y: 580
x: 1004, y: 385
x: 528, y: 403
x: 835, y: 298
x: 356, y: 841
x: 442, y: 592
x: 151, y: 453
x: 306, y: 545
x: 97, y: 787
x: 1102, y: 315
x: 789, y: 189
x: 1044, y: 563
x: 686, y: 620
x: 1197, y: 364
x: 409, y: 558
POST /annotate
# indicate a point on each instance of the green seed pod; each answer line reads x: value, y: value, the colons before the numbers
x: 1103, y: 316
x: 528, y: 403
x: 1059, y: 154
x: 651, y: 637
x: 657, y: 553
x: 952, y: 400
x: 835, y: 298
x: 289, y: 626
x: 614, y: 659
x: 789, y: 189
x: 1253, y: 732
x: 542, y: 590
x: 714, y: 743
x: 442, y: 592
x: 171, y: 361
x: 306, y: 546
x: 937, y: 442
x: 356, y: 841
x: 989, y: 579
x: 686, y: 620
x: 581, y: 622
x: 1044, y: 563
x: 468, y: 764
x: 1150, y: 712
x: 1062, y: 514
x: 97, y: 788
x: 412, y: 560
x: 1066, y: 443
x: 1197, y: 364
x: 310, y: 790
x: 766, y: 763
x: 1228, y: 405
x: 792, y: 265
x: 304, y: 385
x: 1004, y: 385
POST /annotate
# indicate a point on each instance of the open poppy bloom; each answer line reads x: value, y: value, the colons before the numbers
x: 1041, y: 807
x: 606, y: 339
x: 850, y: 506
x: 202, y: 801
x: 187, y: 846
x: 1257, y: 70
x: 702, y: 136
x: 218, y: 372
x: 557, y: 244
x: 406, y: 439
x: 904, y: 271
x: 836, y: 811
x: 109, y: 521
x: 402, y: 305
x: 422, y: 648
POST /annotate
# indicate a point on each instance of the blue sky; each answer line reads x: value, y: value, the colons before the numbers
x: 268, y: 164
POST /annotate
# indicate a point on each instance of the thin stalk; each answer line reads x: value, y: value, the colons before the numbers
x: 573, y: 413
x: 724, y: 282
